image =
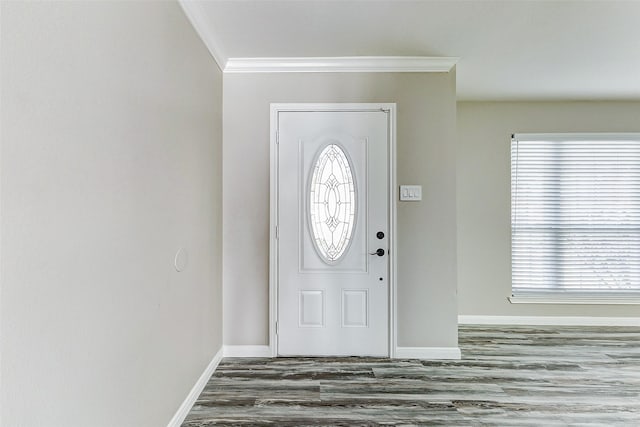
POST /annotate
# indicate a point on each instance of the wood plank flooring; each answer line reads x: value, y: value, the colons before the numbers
x: 536, y: 376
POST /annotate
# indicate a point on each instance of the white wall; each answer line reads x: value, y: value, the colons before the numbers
x: 484, y: 228
x: 110, y: 162
x: 426, y: 230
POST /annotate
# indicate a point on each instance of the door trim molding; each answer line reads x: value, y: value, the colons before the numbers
x: 276, y: 108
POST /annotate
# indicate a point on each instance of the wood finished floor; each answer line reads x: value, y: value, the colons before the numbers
x: 536, y: 375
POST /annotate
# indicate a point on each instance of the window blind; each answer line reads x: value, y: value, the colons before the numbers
x: 575, y: 214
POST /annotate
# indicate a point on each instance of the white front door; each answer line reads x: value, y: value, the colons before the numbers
x: 333, y: 232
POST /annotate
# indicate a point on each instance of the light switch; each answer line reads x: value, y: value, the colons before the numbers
x: 411, y: 193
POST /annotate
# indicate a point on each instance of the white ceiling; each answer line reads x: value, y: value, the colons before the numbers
x: 520, y: 50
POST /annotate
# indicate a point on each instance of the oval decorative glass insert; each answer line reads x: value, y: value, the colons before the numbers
x: 332, y: 203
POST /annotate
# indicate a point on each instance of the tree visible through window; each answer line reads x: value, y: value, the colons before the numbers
x: 575, y: 214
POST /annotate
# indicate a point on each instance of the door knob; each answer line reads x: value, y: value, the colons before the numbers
x: 379, y: 252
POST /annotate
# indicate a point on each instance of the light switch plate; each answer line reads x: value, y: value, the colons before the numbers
x: 411, y: 193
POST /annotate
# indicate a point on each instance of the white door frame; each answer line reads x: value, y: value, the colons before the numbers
x: 390, y: 108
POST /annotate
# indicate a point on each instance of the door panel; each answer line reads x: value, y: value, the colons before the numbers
x: 332, y: 201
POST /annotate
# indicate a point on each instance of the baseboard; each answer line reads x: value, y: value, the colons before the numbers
x: 548, y: 320
x: 428, y: 353
x: 191, y: 398
x: 247, y: 351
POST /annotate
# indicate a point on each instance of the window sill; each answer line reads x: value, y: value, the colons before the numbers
x: 577, y: 299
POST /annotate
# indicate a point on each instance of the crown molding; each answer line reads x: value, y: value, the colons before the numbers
x: 346, y: 64
x: 197, y: 16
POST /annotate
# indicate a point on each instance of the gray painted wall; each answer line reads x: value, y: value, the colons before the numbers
x: 110, y: 162
x: 484, y: 228
x: 426, y: 230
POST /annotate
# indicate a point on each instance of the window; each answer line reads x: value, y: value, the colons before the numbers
x: 575, y: 216
x: 332, y: 203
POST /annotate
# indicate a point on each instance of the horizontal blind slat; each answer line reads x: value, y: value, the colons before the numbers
x: 575, y: 215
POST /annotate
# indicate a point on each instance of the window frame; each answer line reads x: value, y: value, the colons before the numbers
x: 564, y: 296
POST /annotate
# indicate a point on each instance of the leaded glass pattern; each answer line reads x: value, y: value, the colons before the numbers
x: 332, y: 203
